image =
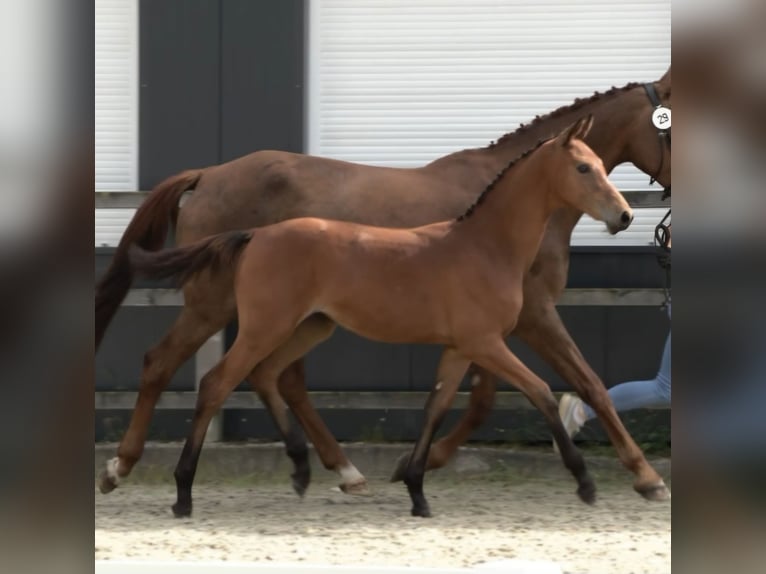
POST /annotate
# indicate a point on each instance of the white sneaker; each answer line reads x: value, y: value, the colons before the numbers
x: 571, y: 413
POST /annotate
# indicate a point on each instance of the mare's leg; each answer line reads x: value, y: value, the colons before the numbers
x: 495, y: 356
x: 194, y: 326
x: 282, y: 365
x: 541, y: 328
x: 452, y: 368
x: 482, y: 398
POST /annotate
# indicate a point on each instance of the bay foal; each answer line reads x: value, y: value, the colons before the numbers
x: 457, y: 283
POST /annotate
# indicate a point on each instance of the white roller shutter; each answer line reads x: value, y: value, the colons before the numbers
x: 116, y: 104
x: 402, y: 82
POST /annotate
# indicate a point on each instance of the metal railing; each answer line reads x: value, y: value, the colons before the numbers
x: 132, y: 199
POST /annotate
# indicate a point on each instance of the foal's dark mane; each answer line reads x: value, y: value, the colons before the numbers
x: 566, y: 109
x: 498, y: 177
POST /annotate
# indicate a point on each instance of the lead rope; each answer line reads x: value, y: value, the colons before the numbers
x: 662, y: 233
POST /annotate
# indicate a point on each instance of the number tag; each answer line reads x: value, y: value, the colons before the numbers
x: 661, y: 118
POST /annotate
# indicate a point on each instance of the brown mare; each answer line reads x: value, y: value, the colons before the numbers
x: 268, y: 186
x: 458, y: 283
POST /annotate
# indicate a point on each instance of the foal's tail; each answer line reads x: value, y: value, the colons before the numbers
x: 148, y: 229
x: 181, y: 263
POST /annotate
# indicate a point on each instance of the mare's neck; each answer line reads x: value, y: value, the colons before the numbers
x: 612, y: 112
x: 607, y: 138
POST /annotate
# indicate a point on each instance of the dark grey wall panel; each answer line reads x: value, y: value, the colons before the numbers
x: 261, y: 76
x: 345, y: 360
x: 179, y: 87
x: 134, y: 331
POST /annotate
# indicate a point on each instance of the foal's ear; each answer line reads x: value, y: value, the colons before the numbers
x: 577, y: 130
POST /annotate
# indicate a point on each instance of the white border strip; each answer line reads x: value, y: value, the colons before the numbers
x: 512, y: 566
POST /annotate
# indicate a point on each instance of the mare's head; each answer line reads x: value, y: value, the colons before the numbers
x: 578, y: 178
x: 648, y: 137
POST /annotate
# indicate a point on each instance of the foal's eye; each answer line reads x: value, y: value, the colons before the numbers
x: 583, y: 168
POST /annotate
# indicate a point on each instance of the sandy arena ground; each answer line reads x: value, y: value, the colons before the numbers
x: 475, y: 519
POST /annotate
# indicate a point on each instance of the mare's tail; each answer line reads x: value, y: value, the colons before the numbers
x: 181, y: 263
x: 148, y: 229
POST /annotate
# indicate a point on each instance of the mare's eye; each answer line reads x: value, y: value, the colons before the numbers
x: 583, y: 168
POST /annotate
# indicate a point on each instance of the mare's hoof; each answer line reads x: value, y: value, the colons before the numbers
x: 401, y: 468
x: 654, y: 492
x: 356, y: 489
x: 301, y: 481
x: 182, y: 510
x: 106, y: 483
x: 587, y: 492
x: 422, y: 511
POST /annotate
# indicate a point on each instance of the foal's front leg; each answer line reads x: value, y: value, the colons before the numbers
x: 498, y: 358
x: 482, y: 399
x: 452, y: 368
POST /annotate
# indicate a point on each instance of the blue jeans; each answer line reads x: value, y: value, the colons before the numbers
x: 637, y: 394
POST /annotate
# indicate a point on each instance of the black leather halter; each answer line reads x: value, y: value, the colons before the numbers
x: 664, y: 135
x: 662, y: 230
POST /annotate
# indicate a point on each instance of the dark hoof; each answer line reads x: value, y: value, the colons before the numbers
x: 587, y: 492
x: 401, y: 468
x: 301, y: 481
x: 654, y: 492
x: 422, y: 511
x: 106, y: 483
x: 182, y: 510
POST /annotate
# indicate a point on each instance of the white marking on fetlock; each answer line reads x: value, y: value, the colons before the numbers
x: 351, y: 475
x: 112, y: 467
x: 475, y: 380
x: 438, y: 386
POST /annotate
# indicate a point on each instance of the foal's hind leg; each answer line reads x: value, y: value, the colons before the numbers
x: 282, y: 365
x: 293, y: 437
x: 495, y: 356
x: 482, y: 398
x: 452, y: 368
x: 543, y: 331
x: 188, y: 333
x: 250, y: 348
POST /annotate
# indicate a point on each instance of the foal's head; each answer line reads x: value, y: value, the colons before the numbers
x: 581, y: 180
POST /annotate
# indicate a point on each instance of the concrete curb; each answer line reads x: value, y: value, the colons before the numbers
x: 226, y: 461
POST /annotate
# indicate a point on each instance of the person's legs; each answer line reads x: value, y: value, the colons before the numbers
x: 638, y: 394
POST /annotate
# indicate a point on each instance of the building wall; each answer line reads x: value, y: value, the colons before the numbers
x: 389, y: 83
x: 211, y: 80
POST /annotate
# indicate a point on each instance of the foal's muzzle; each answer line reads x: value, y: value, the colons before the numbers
x: 622, y: 223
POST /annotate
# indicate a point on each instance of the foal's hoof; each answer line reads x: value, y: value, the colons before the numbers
x: 421, y: 510
x: 106, y: 483
x: 182, y: 510
x: 401, y: 467
x: 655, y: 492
x: 356, y: 489
x: 587, y: 492
x: 301, y: 481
